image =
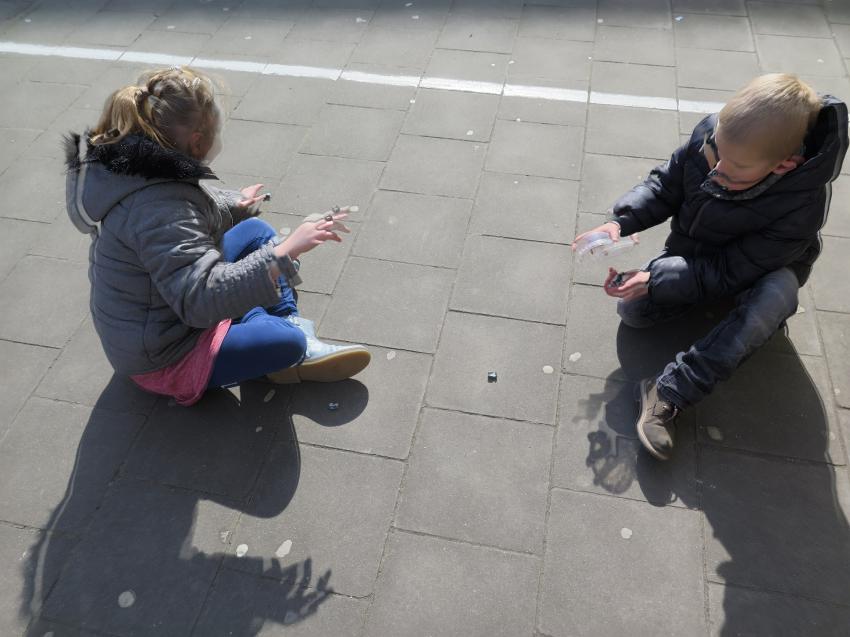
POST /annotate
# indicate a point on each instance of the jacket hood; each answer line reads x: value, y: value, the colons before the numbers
x: 100, y: 176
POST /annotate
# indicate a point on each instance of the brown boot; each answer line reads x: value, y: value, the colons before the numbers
x: 656, y: 423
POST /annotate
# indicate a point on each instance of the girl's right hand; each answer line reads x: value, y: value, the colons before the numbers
x: 310, y: 234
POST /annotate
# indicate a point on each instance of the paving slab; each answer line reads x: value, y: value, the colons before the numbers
x: 837, y: 11
x: 377, y: 410
x: 605, y: 178
x: 576, y: 21
x: 836, y: 336
x: 756, y: 506
x: 170, y: 42
x: 49, y: 143
x: 701, y: 68
x: 216, y: 447
x: 118, y: 75
x: 353, y: 93
x: 15, y: 141
x: 147, y: 561
x: 634, y: 45
x: 82, y: 374
x: 597, y: 449
x: 342, y: 530
x: 284, y: 100
x: 16, y: 237
x: 688, y: 121
x: 331, y: 25
x: 616, y: 130
x: 394, y: 47
x: 788, y: 19
x: 45, y: 445
x: 533, y: 281
x: 838, y: 221
x: 536, y: 149
x: 516, y: 350
x: 112, y: 28
x: 480, y: 591
x: 831, y: 291
x: 17, y: 383
x: 478, y: 479
x: 24, y: 586
x: 245, y: 36
x: 653, y: 14
x: 726, y: 33
x: 47, y: 24
x: 34, y: 289
x: 523, y: 207
x: 184, y: 18
x: 478, y: 33
x: 468, y: 65
x: 316, y: 184
x: 321, y: 53
x: 255, y: 148
x: 815, y: 56
x: 633, y: 79
x: 743, y: 611
x: 244, y: 604
x: 396, y: 305
x: 419, y: 16
x: 37, y: 104
x: 543, y: 111
x: 434, y: 166
x: 452, y: 115
x: 66, y: 71
x: 34, y: 189
x: 600, y: 548
x: 422, y: 229
x: 552, y: 60
x: 723, y: 7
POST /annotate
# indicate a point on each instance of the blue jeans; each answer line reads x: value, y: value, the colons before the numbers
x: 261, y: 341
x: 759, y: 312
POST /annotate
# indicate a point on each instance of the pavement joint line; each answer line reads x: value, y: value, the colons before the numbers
x: 504, y: 316
x: 315, y: 445
x: 774, y: 591
x: 697, y: 510
x: 517, y: 421
x: 271, y: 578
x: 772, y: 457
x: 288, y: 70
x: 434, y: 536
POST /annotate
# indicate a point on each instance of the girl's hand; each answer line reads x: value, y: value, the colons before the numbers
x: 251, y: 197
x: 635, y: 284
x: 312, y: 233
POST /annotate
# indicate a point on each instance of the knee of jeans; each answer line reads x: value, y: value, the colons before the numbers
x: 784, y: 292
x: 291, y: 345
x: 630, y: 316
x: 260, y: 228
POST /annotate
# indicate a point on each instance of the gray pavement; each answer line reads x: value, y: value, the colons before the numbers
x: 431, y: 502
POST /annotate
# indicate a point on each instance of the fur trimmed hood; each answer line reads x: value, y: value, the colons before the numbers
x: 136, y: 155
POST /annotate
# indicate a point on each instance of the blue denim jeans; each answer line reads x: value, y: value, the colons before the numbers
x: 759, y: 312
x: 261, y: 341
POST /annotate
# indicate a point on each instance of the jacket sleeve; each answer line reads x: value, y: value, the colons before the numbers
x: 175, y: 247
x: 675, y: 280
x: 654, y: 200
x: 227, y: 201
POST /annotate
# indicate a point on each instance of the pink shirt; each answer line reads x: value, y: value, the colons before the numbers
x: 187, y: 379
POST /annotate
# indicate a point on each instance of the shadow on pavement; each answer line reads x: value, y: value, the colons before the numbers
x: 758, y: 459
x: 151, y: 551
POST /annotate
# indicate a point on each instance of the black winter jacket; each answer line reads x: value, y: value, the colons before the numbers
x: 729, y: 244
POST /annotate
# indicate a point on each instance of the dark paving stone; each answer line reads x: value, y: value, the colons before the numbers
x: 53, y: 447
x: 598, y: 451
x: 521, y: 207
x: 787, y: 19
x: 17, y: 381
x: 214, y: 446
x: 243, y: 604
x: 378, y: 409
x: 742, y: 611
x: 778, y: 404
x: 829, y: 285
x: 533, y: 283
x: 155, y: 547
x: 730, y: 7
x: 336, y: 25
x: 45, y: 627
x: 836, y: 336
x: 430, y: 586
x: 82, y: 374
x: 617, y: 567
x: 342, y: 529
x: 55, y: 291
x: 389, y: 304
x: 517, y: 351
x: 478, y: 479
x: 422, y: 229
x: 757, y: 507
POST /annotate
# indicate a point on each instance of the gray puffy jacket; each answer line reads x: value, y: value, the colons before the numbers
x: 155, y: 266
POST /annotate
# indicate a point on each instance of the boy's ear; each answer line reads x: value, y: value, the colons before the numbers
x: 785, y: 166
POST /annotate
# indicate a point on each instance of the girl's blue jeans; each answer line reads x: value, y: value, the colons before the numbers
x: 261, y: 341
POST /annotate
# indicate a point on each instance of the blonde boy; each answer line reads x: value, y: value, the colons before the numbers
x: 746, y: 197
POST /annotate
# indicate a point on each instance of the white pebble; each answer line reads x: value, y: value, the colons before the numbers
x: 248, y: 37
x: 600, y: 20
x: 284, y: 549
x: 290, y: 617
x: 269, y: 396
x: 225, y: 9
x: 360, y: 20
x: 408, y: 4
x: 820, y: 61
x: 170, y: 27
x: 470, y: 132
x: 801, y: 309
x: 258, y: 430
x: 414, y: 17
x: 510, y: 61
x: 493, y: 64
x: 679, y: 18
x: 285, y: 232
x: 27, y: 20
x: 390, y: 355
x: 518, y: 119
x: 575, y: 356
x: 548, y: 369
x: 413, y: 101
x: 241, y: 550
x: 353, y: 208
x: 126, y: 599
x: 625, y: 533
x: 714, y: 433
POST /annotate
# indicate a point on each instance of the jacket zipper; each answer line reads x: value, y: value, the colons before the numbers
x: 696, y: 219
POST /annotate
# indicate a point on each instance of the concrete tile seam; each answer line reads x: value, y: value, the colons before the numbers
x: 315, y: 445
x: 770, y: 457
x: 777, y: 592
x: 445, y: 84
x: 491, y: 417
x: 691, y: 509
x: 397, y: 529
x: 299, y: 583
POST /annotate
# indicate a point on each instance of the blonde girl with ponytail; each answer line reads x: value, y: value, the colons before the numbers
x: 190, y: 290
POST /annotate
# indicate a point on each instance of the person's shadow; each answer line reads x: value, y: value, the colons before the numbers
x: 758, y: 458
x: 138, y: 544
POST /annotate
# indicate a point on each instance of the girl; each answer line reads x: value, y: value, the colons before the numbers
x: 189, y: 289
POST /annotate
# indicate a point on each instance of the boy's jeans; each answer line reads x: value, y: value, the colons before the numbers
x: 759, y: 312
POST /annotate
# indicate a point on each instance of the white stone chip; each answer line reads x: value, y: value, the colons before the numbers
x: 391, y: 355
x: 126, y: 599
x: 360, y: 20
x: 258, y: 429
x: 284, y: 549
x: 470, y: 132
x: 291, y: 617
x: 714, y: 433
x: 241, y: 550
x: 575, y: 356
x: 548, y: 369
x: 625, y: 533
x: 269, y: 395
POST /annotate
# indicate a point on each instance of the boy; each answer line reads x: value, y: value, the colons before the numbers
x: 747, y: 196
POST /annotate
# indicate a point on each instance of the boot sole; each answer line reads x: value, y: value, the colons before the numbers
x: 329, y: 369
x: 642, y: 420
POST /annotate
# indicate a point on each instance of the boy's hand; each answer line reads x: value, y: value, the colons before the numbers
x: 635, y: 284
x: 611, y: 228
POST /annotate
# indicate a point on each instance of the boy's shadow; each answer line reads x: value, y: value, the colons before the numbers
x: 757, y: 458
x: 158, y: 526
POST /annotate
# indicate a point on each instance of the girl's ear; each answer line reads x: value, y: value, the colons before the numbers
x: 198, y: 145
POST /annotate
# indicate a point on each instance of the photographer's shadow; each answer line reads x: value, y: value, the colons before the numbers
x: 147, y: 545
x: 758, y: 457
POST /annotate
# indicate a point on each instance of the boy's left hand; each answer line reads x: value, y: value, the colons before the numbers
x: 251, y: 196
x: 635, y: 285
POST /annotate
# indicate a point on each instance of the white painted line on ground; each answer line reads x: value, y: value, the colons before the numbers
x: 438, y: 83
